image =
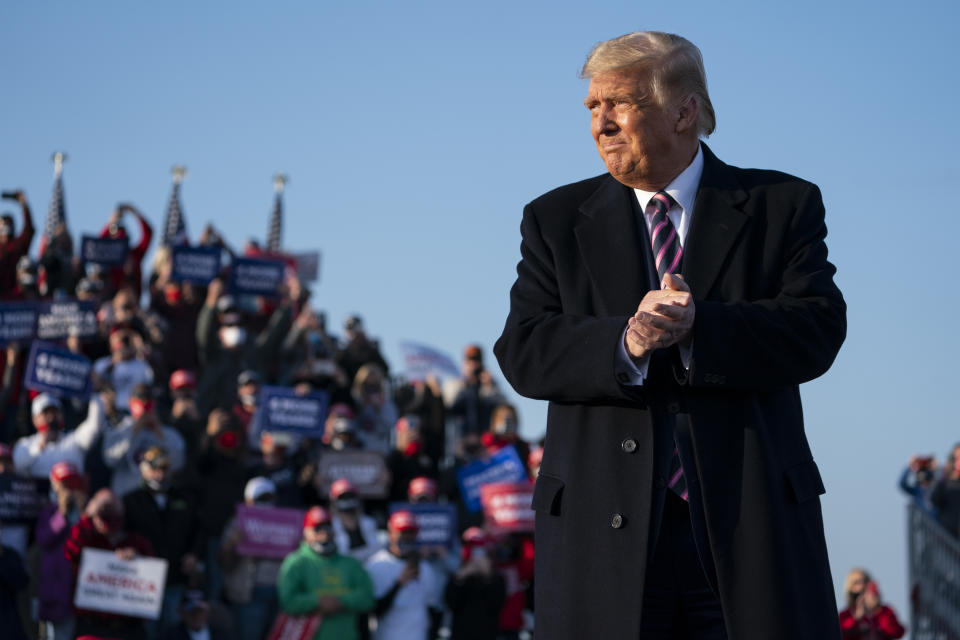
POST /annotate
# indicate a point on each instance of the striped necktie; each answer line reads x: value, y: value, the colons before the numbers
x: 667, y: 255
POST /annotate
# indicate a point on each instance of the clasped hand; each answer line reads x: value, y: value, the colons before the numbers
x: 663, y: 318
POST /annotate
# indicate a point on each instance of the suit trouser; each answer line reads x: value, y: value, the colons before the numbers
x: 678, y: 602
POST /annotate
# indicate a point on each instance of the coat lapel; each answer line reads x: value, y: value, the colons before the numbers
x: 717, y: 222
x: 609, y: 243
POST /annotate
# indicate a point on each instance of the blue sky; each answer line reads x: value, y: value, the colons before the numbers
x: 413, y: 133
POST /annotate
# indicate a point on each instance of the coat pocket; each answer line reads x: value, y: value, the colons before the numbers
x: 547, y: 495
x: 805, y: 481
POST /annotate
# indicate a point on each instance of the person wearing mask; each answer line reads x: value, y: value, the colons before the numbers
x: 28, y: 283
x: 354, y: 531
x: 250, y: 582
x: 476, y: 592
x: 184, y: 416
x: 866, y: 617
x: 195, y: 622
x: 13, y: 580
x: 403, y: 583
x: 130, y: 274
x: 375, y: 412
x: 223, y: 474
x: 102, y: 527
x: 408, y: 459
x: 471, y: 449
x: 945, y: 494
x: 179, y: 306
x: 35, y: 455
x: 339, y: 429
x: 317, y: 579
x: 125, y: 367
x: 13, y: 246
x: 248, y: 396
x: 505, y: 431
x: 444, y: 561
x: 124, y: 445
x: 917, y: 481
x: 55, y: 580
x: 273, y: 464
x: 166, y: 516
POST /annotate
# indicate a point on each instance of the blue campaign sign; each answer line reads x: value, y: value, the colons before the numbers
x: 57, y: 370
x: 256, y: 276
x: 60, y: 319
x: 503, y: 466
x: 109, y: 252
x: 283, y: 409
x: 437, y: 522
x: 195, y: 264
x: 18, y: 321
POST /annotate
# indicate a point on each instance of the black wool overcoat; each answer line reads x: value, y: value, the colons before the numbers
x: 768, y: 317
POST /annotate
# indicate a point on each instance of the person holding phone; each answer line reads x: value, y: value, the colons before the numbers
x: 13, y: 246
x: 866, y: 617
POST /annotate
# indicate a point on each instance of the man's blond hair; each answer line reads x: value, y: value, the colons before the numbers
x: 675, y: 66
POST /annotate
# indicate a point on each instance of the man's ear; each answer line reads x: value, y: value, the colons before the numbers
x: 687, y: 114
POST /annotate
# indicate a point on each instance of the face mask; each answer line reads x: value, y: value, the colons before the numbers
x: 227, y: 440
x: 28, y: 280
x: 406, y: 550
x: 248, y: 400
x: 139, y: 407
x: 157, y: 486
x: 506, y: 427
x: 172, y: 296
x: 232, y: 336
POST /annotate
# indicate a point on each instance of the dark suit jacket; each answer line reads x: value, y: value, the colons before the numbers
x: 768, y: 317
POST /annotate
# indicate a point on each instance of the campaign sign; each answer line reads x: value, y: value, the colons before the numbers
x: 422, y: 361
x: 18, y: 320
x: 506, y: 506
x: 57, y: 370
x: 503, y: 466
x: 22, y: 499
x: 58, y: 320
x: 126, y: 587
x: 199, y: 265
x: 109, y: 252
x: 268, y: 532
x: 307, y: 265
x: 366, y: 471
x: 283, y: 409
x: 437, y: 522
x: 256, y: 276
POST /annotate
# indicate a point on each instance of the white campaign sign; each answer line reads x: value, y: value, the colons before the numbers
x: 128, y: 587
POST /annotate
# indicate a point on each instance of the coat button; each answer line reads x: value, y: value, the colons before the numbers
x: 629, y: 445
x: 617, y: 521
x: 673, y: 407
x: 660, y: 483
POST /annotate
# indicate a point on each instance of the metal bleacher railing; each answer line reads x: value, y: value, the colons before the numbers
x: 934, y: 561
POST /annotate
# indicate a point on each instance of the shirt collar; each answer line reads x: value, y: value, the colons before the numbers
x: 683, y: 189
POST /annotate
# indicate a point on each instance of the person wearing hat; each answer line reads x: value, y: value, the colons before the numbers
x: 354, y: 531
x: 166, y: 515
x: 358, y: 349
x: 125, y: 444
x: 35, y: 455
x: 226, y: 345
x: 55, y: 578
x: 317, y: 579
x: 473, y: 397
x: 130, y: 273
x: 275, y: 465
x: 13, y: 247
x: 403, y: 583
x: 476, y: 592
x: 195, y: 621
x: 28, y: 286
x: 184, y: 416
x: 248, y: 396
x: 102, y: 527
x: 250, y: 581
x: 339, y: 430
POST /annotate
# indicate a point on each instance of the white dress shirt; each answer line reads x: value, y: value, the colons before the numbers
x: 683, y: 191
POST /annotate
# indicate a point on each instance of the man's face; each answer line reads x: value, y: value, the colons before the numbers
x: 636, y: 137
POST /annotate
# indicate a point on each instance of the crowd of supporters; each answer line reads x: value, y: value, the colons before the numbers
x: 157, y: 459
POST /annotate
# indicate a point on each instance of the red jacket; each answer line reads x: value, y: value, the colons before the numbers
x: 883, y: 623
x: 130, y: 273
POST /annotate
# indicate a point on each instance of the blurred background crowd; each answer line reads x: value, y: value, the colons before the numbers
x: 155, y: 461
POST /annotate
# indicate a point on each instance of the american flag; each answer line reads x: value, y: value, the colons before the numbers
x: 175, y: 227
x: 275, y: 228
x: 57, y: 213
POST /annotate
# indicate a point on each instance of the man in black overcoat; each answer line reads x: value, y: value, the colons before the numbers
x: 668, y: 310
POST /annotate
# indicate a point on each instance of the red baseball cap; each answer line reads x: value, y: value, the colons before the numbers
x: 340, y: 487
x: 422, y: 486
x: 69, y: 475
x: 475, y: 537
x: 315, y: 517
x: 402, y: 521
x: 182, y: 378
